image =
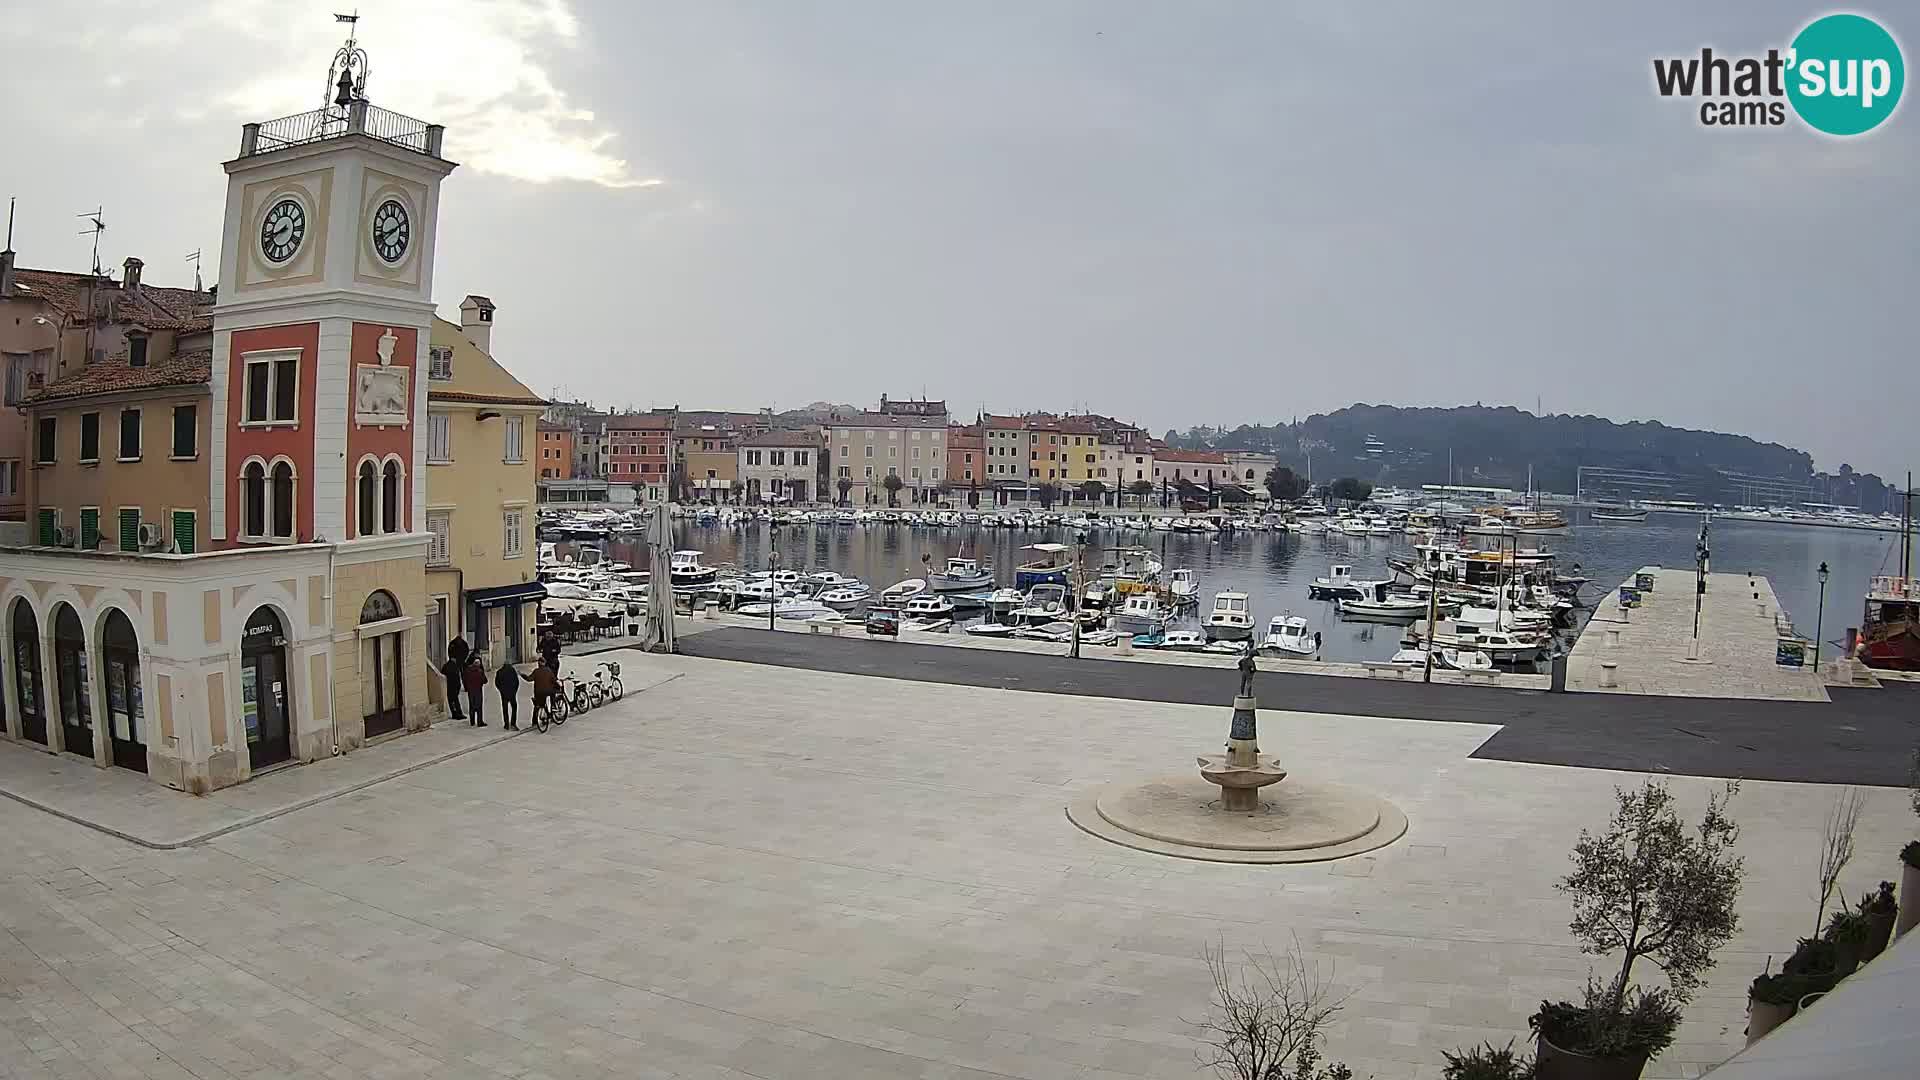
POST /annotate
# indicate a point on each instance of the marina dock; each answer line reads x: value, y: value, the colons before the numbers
x: 1649, y: 646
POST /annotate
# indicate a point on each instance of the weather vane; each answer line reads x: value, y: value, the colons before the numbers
x: 347, y: 75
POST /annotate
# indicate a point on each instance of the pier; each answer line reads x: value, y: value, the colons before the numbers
x: 1652, y: 650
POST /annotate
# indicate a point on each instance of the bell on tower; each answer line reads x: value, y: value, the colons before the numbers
x: 350, y: 58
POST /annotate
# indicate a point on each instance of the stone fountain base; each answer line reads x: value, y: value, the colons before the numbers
x: 1294, y: 822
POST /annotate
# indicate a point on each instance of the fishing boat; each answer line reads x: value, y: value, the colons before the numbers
x: 1340, y: 584
x: 900, y: 592
x: 1187, y: 640
x: 1445, y: 659
x: 1141, y: 613
x: 1046, y: 566
x: 1001, y: 602
x: 959, y: 576
x: 928, y: 605
x: 1184, y: 588
x: 1890, y: 629
x: 687, y: 572
x: 1502, y: 646
x: 1231, y: 619
x: 846, y: 597
x: 1378, y: 604
x: 1289, y: 634
x: 1044, y: 603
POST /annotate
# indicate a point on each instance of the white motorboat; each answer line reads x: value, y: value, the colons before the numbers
x: 750, y: 592
x: 900, y: 592
x: 788, y: 609
x: 1446, y: 659
x: 846, y: 597
x: 1058, y: 630
x: 688, y: 572
x: 1340, y: 584
x: 828, y: 579
x: 1502, y: 646
x: 1141, y: 613
x: 928, y: 605
x: 1379, y: 526
x: 1043, y: 604
x: 1187, y: 640
x: 1379, y: 605
x: 1184, y: 588
x: 991, y: 629
x: 1289, y: 634
x: 1001, y: 602
x: 1225, y: 648
x: 1231, y: 619
x: 1520, y: 620
x: 959, y: 576
x: 1098, y: 636
x: 926, y: 626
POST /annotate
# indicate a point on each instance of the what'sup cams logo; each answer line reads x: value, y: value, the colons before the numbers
x: 1842, y: 75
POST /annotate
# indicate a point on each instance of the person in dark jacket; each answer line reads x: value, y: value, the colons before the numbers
x: 507, y: 681
x: 457, y: 652
x: 475, y: 678
x: 550, y: 650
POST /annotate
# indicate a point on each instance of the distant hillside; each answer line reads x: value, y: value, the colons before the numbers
x: 1496, y: 446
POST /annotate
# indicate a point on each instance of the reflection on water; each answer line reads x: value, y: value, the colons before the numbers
x: 1275, y: 568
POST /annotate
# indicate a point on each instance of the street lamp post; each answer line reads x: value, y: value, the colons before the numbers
x: 1699, y: 584
x: 1820, y: 619
x: 773, y: 587
x: 1079, y: 592
x: 1433, y: 605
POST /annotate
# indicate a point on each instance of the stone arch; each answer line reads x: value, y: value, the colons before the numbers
x: 26, y: 683
x: 72, y: 683
x: 122, y: 694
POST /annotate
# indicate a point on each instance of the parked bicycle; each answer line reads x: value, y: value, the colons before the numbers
x: 579, y: 698
x: 606, y: 685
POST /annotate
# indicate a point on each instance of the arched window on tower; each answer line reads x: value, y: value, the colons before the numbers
x: 368, y: 484
x: 390, y: 498
x: 253, y: 499
x: 283, y: 501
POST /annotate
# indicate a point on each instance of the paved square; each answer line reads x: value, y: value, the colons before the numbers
x: 754, y: 871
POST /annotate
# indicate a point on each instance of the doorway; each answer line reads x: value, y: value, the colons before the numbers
x: 381, y: 667
x: 512, y: 632
x: 26, y: 673
x: 71, y: 674
x: 126, y: 722
x: 264, y: 701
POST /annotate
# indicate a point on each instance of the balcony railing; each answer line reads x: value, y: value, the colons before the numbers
x: 359, y: 118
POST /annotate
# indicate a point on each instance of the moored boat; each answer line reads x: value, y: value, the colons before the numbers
x: 1231, y: 618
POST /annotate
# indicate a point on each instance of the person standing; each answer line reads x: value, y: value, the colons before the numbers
x: 475, y: 679
x: 507, y: 681
x: 457, y: 653
x: 550, y: 651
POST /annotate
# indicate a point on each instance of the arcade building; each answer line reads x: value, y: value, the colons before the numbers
x: 227, y: 557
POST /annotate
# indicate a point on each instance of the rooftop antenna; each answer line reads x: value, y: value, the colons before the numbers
x: 9, y: 246
x: 194, y: 258
x: 98, y: 225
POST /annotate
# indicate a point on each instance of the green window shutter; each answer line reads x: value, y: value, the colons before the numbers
x: 129, y: 530
x: 89, y: 529
x: 183, y: 531
x: 49, y: 520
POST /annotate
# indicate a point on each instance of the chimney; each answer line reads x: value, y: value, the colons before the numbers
x: 6, y: 272
x: 476, y: 320
x: 131, y: 282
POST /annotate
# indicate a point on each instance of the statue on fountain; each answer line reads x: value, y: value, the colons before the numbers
x: 1243, y: 770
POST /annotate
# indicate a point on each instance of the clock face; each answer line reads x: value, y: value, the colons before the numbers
x: 282, y: 230
x: 392, y: 231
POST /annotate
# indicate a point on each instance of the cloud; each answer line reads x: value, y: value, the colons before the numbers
x: 483, y: 68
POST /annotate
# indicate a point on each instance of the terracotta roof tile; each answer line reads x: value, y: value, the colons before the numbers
x: 151, y: 306
x: 115, y: 377
x: 800, y: 437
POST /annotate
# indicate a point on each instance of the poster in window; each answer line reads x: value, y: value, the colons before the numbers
x: 250, y: 702
x: 116, y: 686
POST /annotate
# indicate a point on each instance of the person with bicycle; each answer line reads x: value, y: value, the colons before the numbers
x: 546, y: 688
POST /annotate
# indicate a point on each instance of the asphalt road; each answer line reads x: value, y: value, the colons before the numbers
x: 1861, y: 737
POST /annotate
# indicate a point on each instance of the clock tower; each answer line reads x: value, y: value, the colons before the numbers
x: 321, y: 329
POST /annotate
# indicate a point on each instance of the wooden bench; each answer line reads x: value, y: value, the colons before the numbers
x: 823, y: 627
x: 1376, y: 667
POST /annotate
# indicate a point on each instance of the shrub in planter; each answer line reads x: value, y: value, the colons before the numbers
x: 1909, y: 887
x: 1847, y: 931
x: 1607, y: 1036
x: 1880, y: 910
x: 1771, y: 1001
x: 1486, y: 1063
x: 1817, y: 963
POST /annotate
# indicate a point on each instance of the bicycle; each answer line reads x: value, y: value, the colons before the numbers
x: 605, y: 685
x: 550, y: 712
x: 578, y: 700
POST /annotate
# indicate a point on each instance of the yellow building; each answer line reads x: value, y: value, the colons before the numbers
x: 481, y: 432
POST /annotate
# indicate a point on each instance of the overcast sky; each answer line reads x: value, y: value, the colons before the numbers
x: 1174, y: 212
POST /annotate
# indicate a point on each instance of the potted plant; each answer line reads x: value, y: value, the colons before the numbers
x: 1646, y: 886
x: 1880, y: 910
x: 1909, y: 887
x: 1485, y: 1063
x: 1771, y: 1001
x: 1817, y: 963
x: 1847, y: 931
x: 1607, y: 1037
